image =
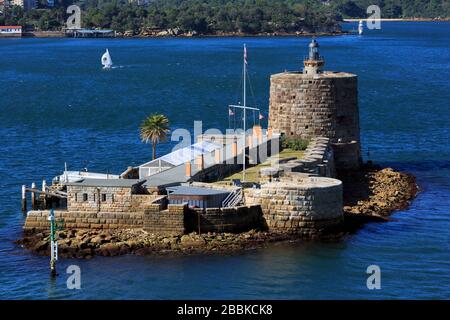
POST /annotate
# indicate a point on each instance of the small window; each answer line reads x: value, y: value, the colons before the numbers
x: 104, y: 197
x: 112, y: 198
x: 85, y: 197
x: 76, y: 197
x: 306, y: 127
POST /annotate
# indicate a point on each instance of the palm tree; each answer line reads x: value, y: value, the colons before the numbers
x: 154, y: 129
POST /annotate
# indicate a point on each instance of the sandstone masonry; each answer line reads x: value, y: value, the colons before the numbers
x: 306, y: 205
x: 312, y: 104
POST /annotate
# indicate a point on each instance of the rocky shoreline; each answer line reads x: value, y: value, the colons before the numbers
x: 369, y: 195
x: 438, y: 19
x: 172, y: 33
x: 372, y: 194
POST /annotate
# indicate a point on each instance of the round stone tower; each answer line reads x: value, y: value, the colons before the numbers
x: 316, y: 103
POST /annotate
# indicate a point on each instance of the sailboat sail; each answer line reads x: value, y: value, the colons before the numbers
x: 360, y: 27
x: 106, y: 60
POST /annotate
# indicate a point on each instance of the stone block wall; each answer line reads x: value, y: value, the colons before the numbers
x: 324, y: 105
x: 307, y: 206
x: 347, y: 155
x: 90, y: 214
x: 235, y: 219
x: 38, y: 220
x: 90, y: 199
x: 157, y: 217
x: 141, y: 201
x: 179, y: 219
x: 106, y: 199
x: 165, y: 221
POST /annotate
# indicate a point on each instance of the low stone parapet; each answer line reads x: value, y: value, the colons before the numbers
x: 318, y: 160
x: 37, y: 220
x: 307, y: 205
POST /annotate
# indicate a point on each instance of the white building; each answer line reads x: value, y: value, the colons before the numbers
x: 25, y: 4
x: 19, y: 3
x: 10, y: 31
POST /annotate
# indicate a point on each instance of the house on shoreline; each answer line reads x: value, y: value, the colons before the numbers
x: 10, y: 31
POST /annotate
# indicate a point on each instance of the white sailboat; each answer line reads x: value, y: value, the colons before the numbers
x: 360, y: 27
x: 106, y: 60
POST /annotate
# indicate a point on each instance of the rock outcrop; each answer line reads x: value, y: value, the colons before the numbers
x: 372, y: 194
x: 369, y: 195
x: 85, y: 244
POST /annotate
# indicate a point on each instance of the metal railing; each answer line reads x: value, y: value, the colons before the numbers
x: 319, y: 58
x: 233, y: 199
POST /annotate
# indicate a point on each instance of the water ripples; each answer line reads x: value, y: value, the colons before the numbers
x: 89, y: 117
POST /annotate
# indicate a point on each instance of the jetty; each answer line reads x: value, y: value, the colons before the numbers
x: 90, y: 33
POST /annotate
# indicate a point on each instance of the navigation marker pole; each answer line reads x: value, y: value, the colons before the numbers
x: 53, y: 244
x: 245, y: 118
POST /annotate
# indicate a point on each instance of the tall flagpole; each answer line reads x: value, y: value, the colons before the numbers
x: 245, y: 119
x: 244, y: 107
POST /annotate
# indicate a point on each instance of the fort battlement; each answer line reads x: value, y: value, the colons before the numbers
x: 307, y: 206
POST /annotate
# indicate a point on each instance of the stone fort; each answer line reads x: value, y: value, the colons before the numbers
x: 299, y: 196
x: 316, y: 103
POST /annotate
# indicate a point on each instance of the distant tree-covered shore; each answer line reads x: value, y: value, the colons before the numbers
x: 215, y: 17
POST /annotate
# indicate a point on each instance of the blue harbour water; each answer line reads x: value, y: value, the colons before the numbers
x: 57, y: 105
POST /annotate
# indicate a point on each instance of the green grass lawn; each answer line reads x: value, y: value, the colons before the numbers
x: 252, y: 173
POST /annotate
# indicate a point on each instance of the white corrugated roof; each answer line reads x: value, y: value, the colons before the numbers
x: 186, y: 154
